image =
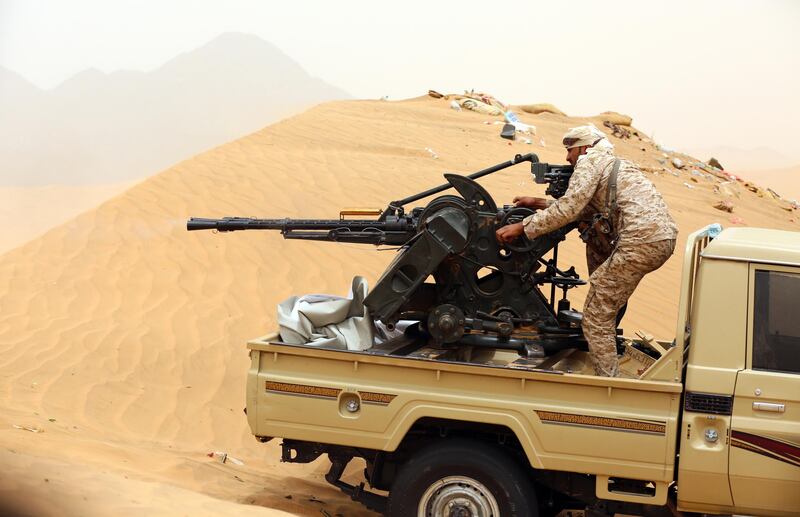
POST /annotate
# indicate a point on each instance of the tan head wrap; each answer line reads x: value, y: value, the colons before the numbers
x: 582, y: 135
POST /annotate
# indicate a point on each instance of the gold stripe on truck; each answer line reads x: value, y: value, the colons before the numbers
x: 613, y: 424
x: 376, y: 398
x: 302, y: 389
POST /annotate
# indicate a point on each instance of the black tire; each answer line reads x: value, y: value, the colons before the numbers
x: 449, y: 461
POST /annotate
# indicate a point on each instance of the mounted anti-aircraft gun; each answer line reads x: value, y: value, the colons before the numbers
x: 484, y: 294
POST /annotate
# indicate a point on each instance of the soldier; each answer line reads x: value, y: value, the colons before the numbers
x: 625, y: 222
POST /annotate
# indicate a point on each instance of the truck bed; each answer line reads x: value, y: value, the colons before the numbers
x: 563, y: 419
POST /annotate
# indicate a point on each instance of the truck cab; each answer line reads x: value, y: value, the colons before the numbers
x: 740, y: 427
x: 708, y: 422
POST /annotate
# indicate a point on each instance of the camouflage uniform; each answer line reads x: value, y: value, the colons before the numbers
x: 645, y: 240
x: 610, y: 286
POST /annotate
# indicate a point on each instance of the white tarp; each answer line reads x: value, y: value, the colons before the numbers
x: 328, y: 321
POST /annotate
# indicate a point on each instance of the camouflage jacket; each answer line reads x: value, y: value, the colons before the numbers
x: 641, y: 214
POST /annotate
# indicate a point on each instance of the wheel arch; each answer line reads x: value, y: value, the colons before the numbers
x: 510, y: 424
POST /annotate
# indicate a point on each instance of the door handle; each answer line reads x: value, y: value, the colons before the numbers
x: 769, y: 406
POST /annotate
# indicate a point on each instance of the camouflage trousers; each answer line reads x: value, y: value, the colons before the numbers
x: 610, y: 286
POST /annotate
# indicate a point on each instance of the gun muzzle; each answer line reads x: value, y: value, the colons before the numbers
x: 200, y: 223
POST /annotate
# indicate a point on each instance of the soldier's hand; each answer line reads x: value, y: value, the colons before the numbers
x: 530, y: 202
x: 509, y: 233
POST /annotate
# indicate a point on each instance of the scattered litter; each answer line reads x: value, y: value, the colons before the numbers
x: 675, y: 173
x: 687, y: 185
x: 520, y: 126
x: 51, y: 419
x: 541, y: 141
x: 479, y: 107
x: 695, y: 172
x: 511, y: 117
x: 478, y: 102
x: 313, y: 499
x: 713, y: 162
x: 527, y: 141
x: 617, y: 130
x: 737, y: 220
x: 486, y: 99
x: 325, y: 512
x: 508, y: 132
x: 32, y: 429
x: 755, y: 189
x: 774, y: 194
x: 727, y: 189
x: 432, y: 153
x: 724, y: 205
x: 237, y: 478
x: 289, y: 496
x: 223, y: 457
x: 678, y: 163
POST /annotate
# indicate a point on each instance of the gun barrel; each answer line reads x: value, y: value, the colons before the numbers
x: 362, y: 231
x: 230, y: 224
x: 530, y: 157
x: 393, y: 227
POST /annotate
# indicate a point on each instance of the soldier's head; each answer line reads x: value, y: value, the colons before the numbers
x: 579, y: 139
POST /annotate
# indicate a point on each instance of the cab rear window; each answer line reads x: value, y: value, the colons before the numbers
x: 776, y: 325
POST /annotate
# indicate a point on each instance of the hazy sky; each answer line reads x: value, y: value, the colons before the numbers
x: 696, y: 73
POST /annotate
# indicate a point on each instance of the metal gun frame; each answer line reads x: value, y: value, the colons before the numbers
x: 483, y: 293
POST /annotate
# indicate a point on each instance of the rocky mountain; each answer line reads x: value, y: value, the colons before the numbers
x: 105, y: 128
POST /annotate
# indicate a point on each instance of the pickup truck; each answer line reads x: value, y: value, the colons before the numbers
x: 707, y: 423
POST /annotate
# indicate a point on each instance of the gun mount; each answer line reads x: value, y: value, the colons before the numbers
x: 482, y: 293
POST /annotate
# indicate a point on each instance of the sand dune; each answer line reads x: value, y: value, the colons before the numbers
x: 28, y: 212
x: 785, y: 181
x: 122, y: 335
x: 745, y: 159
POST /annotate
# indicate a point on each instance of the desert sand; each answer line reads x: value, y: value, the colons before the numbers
x: 28, y: 212
x: 122, y: 336
x: 784, y: 181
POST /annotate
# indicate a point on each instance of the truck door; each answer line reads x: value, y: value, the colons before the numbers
x: 764, y: 457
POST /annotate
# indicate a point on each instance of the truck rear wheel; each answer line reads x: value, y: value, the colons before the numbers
x: 462, y: 478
